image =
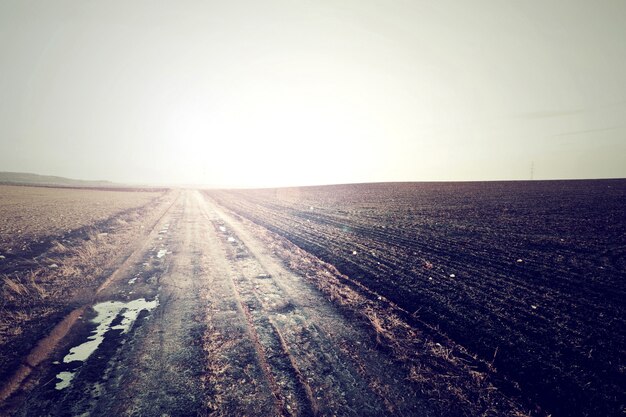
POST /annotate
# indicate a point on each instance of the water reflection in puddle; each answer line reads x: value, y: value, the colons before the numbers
x: 106, y: 314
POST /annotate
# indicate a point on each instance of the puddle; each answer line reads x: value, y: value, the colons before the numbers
x: 66, y: 379
x: 110, y: 315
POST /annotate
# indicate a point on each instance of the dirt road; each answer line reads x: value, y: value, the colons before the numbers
x: 204, y: 320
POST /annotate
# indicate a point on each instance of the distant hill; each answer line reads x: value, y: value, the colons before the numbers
x: 24, y: 178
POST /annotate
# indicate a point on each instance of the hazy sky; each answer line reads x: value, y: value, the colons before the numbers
x: 270, y: 93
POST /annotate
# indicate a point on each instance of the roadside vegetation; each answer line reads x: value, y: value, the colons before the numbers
x: 47, y: 272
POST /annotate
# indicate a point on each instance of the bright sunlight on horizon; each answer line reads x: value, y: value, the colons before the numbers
x: 278, y: 93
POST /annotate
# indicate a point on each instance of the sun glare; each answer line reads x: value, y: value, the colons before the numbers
x: 269, y: 135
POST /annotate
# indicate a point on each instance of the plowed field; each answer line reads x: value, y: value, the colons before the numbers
x: 528, y: 276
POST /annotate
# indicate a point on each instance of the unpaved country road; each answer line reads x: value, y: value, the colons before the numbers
x: 234, y: 333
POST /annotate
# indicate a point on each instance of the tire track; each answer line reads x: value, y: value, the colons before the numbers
x: 304, y: 338
x: 268, y: 351
x: 235, y: 333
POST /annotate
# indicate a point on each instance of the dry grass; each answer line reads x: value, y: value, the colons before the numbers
x: 382, y: 329
x: 34, y: 279
x: 216, y: 347
x: 58, y: 248
x: 67, y: 274
x: 24, y: 288
x: 12, y: 288
x: 65, y: 269
x: 88, y: 251
x: 69, y: 270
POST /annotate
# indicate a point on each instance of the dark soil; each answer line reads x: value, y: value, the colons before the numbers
x: 529, y: 276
